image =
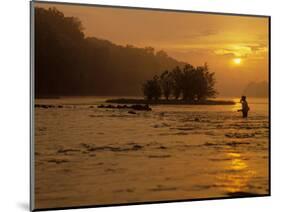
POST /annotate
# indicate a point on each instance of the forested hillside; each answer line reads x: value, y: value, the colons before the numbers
x: 69, y: 63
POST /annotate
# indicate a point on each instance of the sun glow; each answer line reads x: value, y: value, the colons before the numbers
x: 237, y: 61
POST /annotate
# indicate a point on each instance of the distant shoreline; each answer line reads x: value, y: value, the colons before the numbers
x: 169, y: 102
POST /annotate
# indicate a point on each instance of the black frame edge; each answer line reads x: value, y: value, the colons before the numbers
x: 149, y: 203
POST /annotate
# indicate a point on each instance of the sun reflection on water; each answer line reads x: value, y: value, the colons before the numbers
x: 237, y: 105
x: 237, y: 174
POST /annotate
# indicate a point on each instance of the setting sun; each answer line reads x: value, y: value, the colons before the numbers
x: 237, y: 61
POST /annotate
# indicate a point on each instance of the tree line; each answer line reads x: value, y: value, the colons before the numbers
x: 188, y: 83
x: 67, y: 62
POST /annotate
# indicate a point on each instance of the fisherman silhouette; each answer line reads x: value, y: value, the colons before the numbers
x: 245, y: 108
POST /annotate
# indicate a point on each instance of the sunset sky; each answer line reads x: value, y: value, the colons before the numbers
x: 235, y: 47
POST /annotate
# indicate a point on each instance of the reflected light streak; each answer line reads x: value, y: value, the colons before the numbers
x: 237, y: 175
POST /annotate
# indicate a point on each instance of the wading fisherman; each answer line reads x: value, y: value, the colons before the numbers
x: 245, y: 108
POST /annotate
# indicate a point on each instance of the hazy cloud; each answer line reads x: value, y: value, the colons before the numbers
x: 202, y: 33
x: 243, y: 51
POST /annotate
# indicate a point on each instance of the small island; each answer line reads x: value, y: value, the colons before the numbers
x: 169, y: 102
x: 188, y: 85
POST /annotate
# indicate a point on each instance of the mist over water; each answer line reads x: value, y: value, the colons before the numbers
x: 86, y: 155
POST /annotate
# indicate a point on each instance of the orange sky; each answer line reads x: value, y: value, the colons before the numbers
x: 190, y: 37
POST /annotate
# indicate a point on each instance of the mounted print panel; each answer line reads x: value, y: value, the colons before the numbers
x: 135, y: 105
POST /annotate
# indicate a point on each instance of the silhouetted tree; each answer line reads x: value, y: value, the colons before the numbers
x: 166, y: 83
x: 176, y: 82
x: 162, y: 54
x: 187, y: 82
x: 149, y: 50
x: 205, y: 83
x: 152, y: 89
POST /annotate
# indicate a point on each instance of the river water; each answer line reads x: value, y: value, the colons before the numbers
x: 86, y: 155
